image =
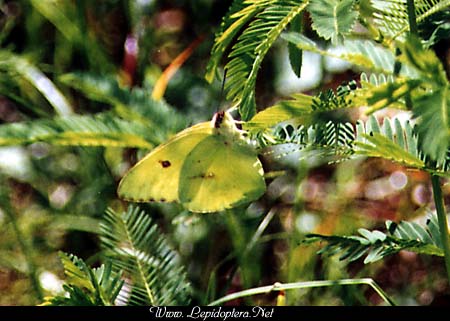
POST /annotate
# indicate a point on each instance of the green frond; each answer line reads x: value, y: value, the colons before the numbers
x: 424, y: 61
x: 391, y: 94
x: 134, y: 105
x: 376, y: 245
x: 392, y: 140
x: 433, y: 113
x: 333, y: 19
x: 239, y: 14
x: 76, y: 130
x: 428, y: 95
x: 363, y: 54
x: 266, y: 20
x: 152, y: 271
x: 304, y: 108
x: 85, y: 286
x: 391, y: 16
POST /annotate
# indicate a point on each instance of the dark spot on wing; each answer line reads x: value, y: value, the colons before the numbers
x: 219, y: 119
x: 165, y: 163
x: 203, y: 176
x: 162, y: 200
x: 152, y: 200
x: 239, y: 126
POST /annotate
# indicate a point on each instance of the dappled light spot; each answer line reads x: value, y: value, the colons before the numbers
x: 50, y: 282
x: 420, y: 195
x: 61, y: 195
x: 398, y: 180
x: 306, y: 222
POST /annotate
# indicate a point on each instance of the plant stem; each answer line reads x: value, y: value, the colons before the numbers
x: 442, y: 220
x: 26, y: 250
x: 412, y: 17
x: 304, y: 285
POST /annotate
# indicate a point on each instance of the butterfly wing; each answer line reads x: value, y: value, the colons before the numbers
x: 218, y: 174
x: 156, y: 177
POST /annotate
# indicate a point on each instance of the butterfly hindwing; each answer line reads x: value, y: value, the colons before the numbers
x: 220, y: 173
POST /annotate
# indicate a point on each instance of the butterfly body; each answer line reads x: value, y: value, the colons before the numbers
x: 208, y: 167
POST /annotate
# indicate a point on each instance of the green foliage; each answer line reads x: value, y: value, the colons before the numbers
x: 304, y: 108
x: 153, y: 272
x: 266, y: 20
x: 133, y: 105
x: 86, y: 286
x: 76, y: 130
x: 333, y: 19
x: 14, y: 65
x: 296, y: 54
x: 391, y: 16
x: 363, y: 54
x: 392, y: 140
x: 63, y: 83
x: 376, y: 245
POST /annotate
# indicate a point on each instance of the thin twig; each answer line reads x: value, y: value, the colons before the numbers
x: 303, y: 285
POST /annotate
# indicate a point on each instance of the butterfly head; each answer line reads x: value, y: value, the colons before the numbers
x: 224, y: 124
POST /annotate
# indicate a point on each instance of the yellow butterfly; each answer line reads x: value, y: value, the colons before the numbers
x: 208, y: 167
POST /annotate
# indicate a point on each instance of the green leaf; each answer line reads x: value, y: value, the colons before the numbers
x: 298, y: 107
x: 295, y: 53
x: 85, y: 286
x: 239, y: 14
x: 433, y: 112
x: 390, y: 94
x: 134, y: 105
x: 304, y: 108
x: 377, y: 245
x: 361, y: 53
x: 333, y: 19
x: 266, y: 21
x: 96, y: 130
x: 423, y: 60
x: 380, y: 146
x: 154, y: 274
x: 337, y: 138
x: 391, y: 16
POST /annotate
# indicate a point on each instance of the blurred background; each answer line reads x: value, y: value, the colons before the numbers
x: 53, y: 197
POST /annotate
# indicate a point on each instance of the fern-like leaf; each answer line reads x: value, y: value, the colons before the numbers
x: 333, y: 19
x: 305, y: 108
x: 76, y: 130
x: 376, y: 245
x: 267, y: 19
x: 392, y: 140
x: 154, y: 275
x: 391, y: 16
x: 85, y: 286
x: 134, y: 105
x: 239, y: 14
x: 363, y: 54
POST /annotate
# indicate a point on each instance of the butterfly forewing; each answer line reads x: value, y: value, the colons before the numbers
x: 156, y: 176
